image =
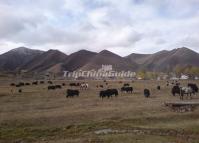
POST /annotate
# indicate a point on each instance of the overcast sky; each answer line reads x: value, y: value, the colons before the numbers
x: 121, y: 26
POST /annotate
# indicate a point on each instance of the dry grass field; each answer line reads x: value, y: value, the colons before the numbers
x: 39, y: 115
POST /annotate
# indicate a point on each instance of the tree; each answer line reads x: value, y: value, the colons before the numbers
x: 142, y: 74
x: 151, y: 75
x: 179, y: 70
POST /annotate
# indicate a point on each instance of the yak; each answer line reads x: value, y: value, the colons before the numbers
x: 72, y: 93
x: 146, y: 93
x: 127, y: 89
x: 194, y: 87
x: 108, y: 93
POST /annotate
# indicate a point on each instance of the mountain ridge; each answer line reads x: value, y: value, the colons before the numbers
x: 23, y: 58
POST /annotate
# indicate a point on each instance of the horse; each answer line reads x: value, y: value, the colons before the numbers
x: 84, y: 86
x: 186, y: 90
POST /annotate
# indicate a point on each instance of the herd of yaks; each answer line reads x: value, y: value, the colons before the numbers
x: 190, y: 89
x: 50, y: 86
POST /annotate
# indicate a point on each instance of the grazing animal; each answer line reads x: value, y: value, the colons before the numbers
x: 158, y: 87
x: 147, y: 93
x: 126, y: 84
x: 27, y: 83
x: 108, y: 93
x: 181, y: 91
x: 84, y: 86
x: 113, y: 91
x: 58, y: 87
x: 99, y: 86
x: 12, y: 84
x: 194, y: 87
x: 186, y: 90
x: 35, y: 83
x: 63, y: 84
x: 74, y: 84
x: 51, y: 87
x: 103, y: 94
x: 18, y: 85
x: 175, y: 90
x: 127, y: 89
x: 41, y: 82
x: 50, y: 82
x: 72, y: 93
x: 21, y: 84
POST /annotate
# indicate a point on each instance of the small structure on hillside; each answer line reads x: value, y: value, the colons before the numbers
x: 106, y: 68
x: 184, y: 77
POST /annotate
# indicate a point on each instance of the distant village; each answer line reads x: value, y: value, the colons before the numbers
x: 105, y: 72
x: 108, y: 72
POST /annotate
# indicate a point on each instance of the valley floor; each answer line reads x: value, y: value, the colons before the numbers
x: 39, y: 115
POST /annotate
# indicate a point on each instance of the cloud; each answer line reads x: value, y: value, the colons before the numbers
x: 143, y: 26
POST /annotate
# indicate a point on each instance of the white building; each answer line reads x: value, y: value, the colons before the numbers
x: 184, y: 77
x: 106, y: 68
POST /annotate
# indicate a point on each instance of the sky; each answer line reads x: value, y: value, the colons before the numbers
x: 121, y: 26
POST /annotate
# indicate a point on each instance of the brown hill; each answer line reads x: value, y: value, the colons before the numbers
x: 78, y: 59
x: 13, y: 59
x: 108, y: 58
x: 45, y: 61
x: 137, y: 58
x: 166, y: 60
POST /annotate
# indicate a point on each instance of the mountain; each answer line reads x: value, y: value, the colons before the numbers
x: 13, y: 59
x: 55, y: 61
x: 166, y: 60
x: 78, y: 59
x: 137, y: 58
x: 108, y: 58
x: 47, y: 61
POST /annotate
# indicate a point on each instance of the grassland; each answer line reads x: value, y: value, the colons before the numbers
x: 39, y: 115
